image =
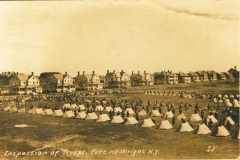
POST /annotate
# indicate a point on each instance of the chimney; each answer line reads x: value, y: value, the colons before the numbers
x: 107, y: 71
x: 32, y: 73
x: 93, y: 72
x: 78, y: 73
x: 138, y: 72
x: 113, y: 70
x: 83, y: 72
x: 17, y: 73
x: 167, y: 70
x: 65, y: 72
x: 132, y: 72
x: 122, y: 70
x: 144, y: 71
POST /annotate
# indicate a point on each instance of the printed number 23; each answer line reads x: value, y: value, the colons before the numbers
x: 211, y: 148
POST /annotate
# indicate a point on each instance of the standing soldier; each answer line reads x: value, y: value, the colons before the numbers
x: 202, y: 114
x: 173, y: 120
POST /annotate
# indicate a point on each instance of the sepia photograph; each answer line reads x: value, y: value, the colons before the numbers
x: 119, y: 79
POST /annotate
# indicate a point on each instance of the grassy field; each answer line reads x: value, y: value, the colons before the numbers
x: 70, y: 138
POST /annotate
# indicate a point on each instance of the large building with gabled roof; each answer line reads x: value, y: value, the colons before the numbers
x: 116, y: 80
x: 88, y: 81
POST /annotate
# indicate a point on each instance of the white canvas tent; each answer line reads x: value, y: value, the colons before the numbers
x: 82, y: 107
x: 81, y: 115
x: 108, y: 109
x: 221, y: 131
x: 148, y: 123
x: 73, y: 106
x: 212, y: 118
x: 131, y: 120
x: 37, y: 111
x: 91, y: 116
x: 103, y: 118
x: 116, y: 109
x: 7, y: 108
x: 57, y: 113
x: 30, y: 111
x: 185, y: 127
x: 117, y: 119
x: 195, y: 118
x: 47, y: 112
x: 202, y: 129
x: 14, y: 109
x: 168, y: 114
x: 68, y: 114
x: 180, y: 116
x: 155, y: 113
x: 142, y: 113
x: 130, y: 111
x: 165, y: 125
x: 236, y: 105
x: 66, y: 105
x: 22, y: 110
x: 230, y: 120
x: 98, y: 108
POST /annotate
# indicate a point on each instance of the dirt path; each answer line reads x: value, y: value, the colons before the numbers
x: 52, y: 144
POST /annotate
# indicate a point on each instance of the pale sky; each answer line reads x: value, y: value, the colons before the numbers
x: 176, y: 35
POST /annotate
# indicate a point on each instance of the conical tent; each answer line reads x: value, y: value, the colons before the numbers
x: 236, y: 135
x: 168, y: 114
x: 22, y: 110
x: 91, y: 116
x: 82, y: 107
x: 220, y: 101
x: 14, y: 109
x: 195, y: 118
x: 236, y: 105
x: 57, y: 113
x: 30, y: 111
x: 81, y: 115
x: 47, y: 112
x: 37, y: 111
x: 73, y: 106
x: 131, y: 120
x: 165, y: 125
x: 68, y: 114
x: 212, y: 118
x: 98, y: 108
x: 180, y: 116
x: 66, y: 105
x: 117, y: 119
x: 108, y: 109
x: 230, y: 120
x: 185, y: 127
x: 155, y: 113
x: 7, y: 108
x: 129, y: 110
x: 202, y: 129
x: 148, y: 123
x: 116, y: 109
x: 221, y: 131
x: 142, y: 113
x: 103, y: 118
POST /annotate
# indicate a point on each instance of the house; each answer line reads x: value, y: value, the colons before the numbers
x: 88, y: 81
x: 141, y: 79
x: 25, y: 84
x: 212, y: 75
x: 221, y: 76
x: 57, y: 82
x: 203, y: 75
x: 194, y: 77
x: 165, y: 77
x: 184, y: 78
x: 116, y: 80
x: 5, y: 78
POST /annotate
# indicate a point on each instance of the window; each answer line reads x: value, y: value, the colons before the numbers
x: 33, y: 82
x: 37, y: 82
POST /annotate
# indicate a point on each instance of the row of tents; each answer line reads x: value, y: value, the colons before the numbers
x: 147, y: 122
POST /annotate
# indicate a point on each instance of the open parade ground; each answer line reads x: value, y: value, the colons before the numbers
x: 47, y: 137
